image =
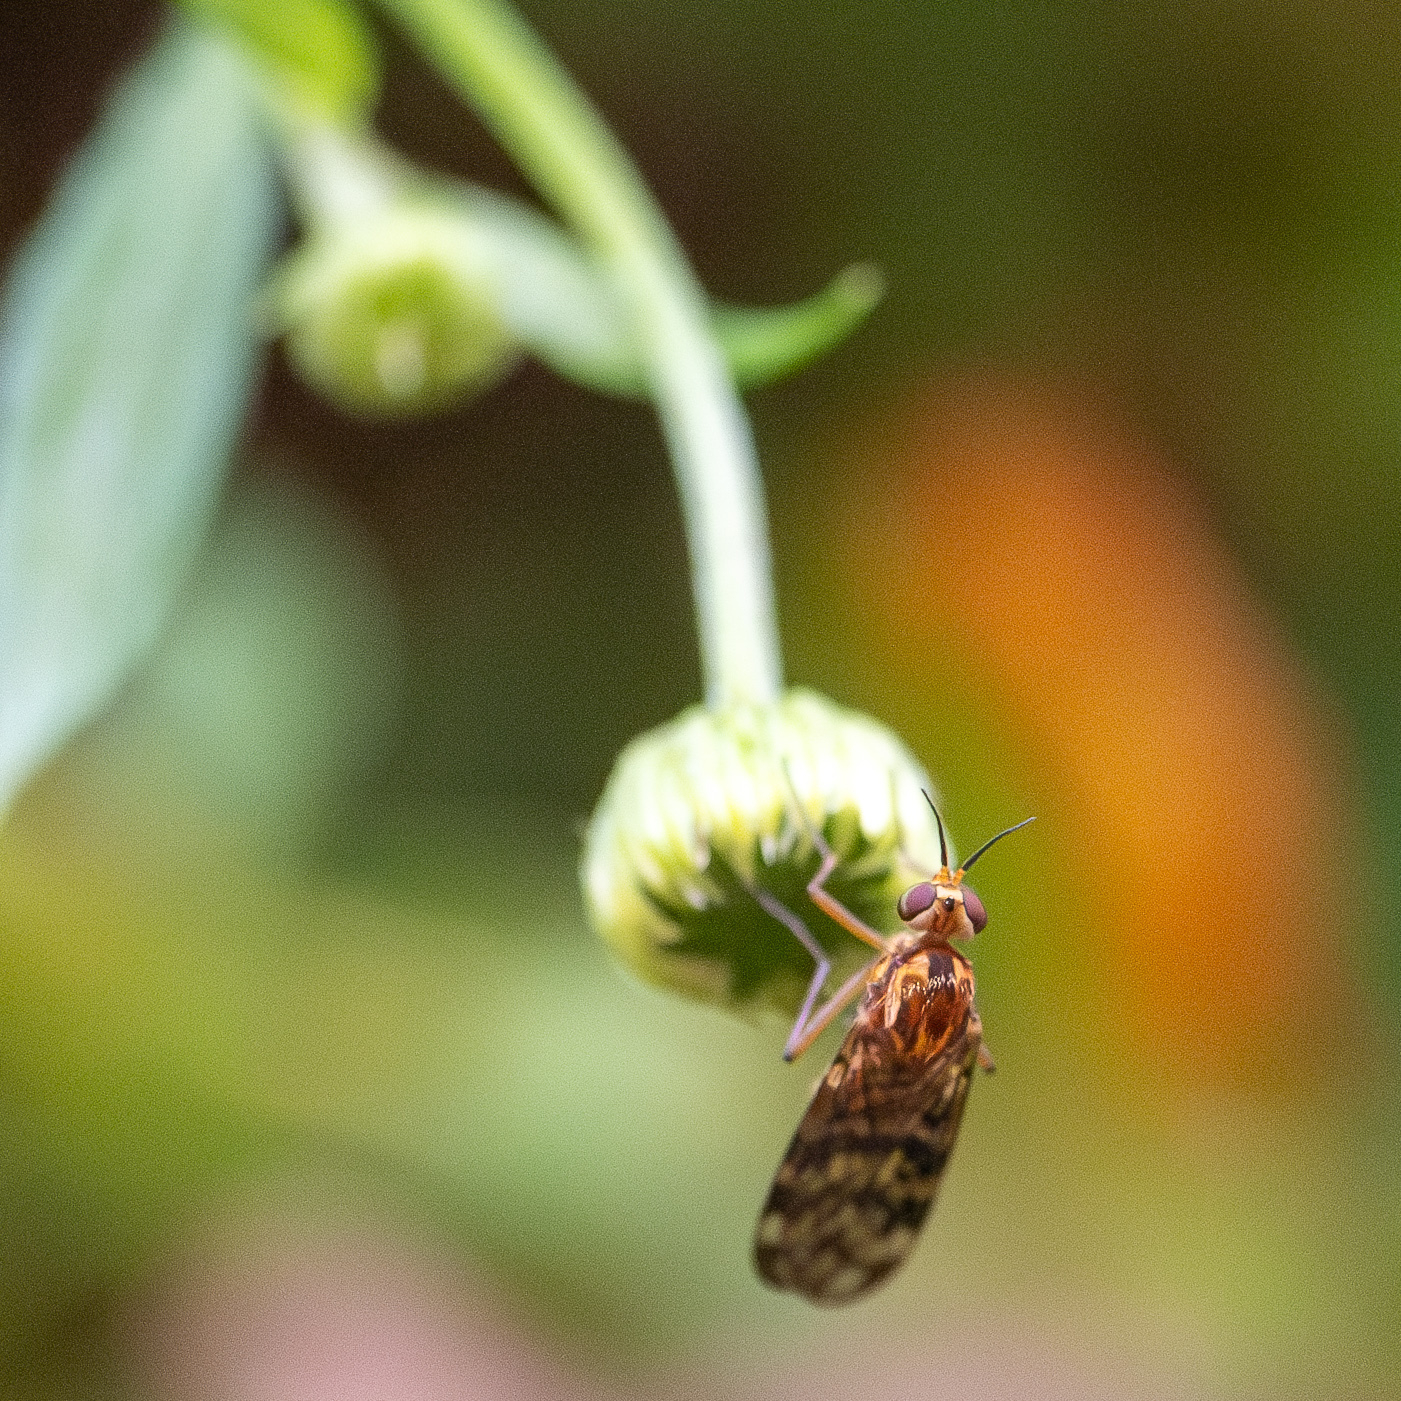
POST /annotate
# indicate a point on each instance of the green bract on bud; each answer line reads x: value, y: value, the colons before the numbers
x: 393, y: 312
x: 700, y: 811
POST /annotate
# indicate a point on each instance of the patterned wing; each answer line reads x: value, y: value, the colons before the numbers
x: 863, y: 1169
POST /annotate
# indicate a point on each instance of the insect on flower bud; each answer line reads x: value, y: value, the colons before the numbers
x: 392, y: 313
x: 700, y: 811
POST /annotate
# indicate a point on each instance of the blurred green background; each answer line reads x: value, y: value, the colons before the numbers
x: 1101, y: 511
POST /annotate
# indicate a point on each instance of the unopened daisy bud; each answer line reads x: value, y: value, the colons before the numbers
x: 394, y: 312
x: 703, y: 810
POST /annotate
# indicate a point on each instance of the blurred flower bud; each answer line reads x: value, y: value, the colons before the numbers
x: 700, y: 810
x: 393, y: 312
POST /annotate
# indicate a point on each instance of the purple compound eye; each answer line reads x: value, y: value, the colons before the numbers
x: 977, y: 911
x: 915, y: 901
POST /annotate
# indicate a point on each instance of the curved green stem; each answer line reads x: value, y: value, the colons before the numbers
x: 562, y: 143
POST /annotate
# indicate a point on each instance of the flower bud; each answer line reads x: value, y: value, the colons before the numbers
x: 393, y: 312
x: 701, y: 810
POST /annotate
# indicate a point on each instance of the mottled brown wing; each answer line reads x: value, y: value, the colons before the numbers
x: 862, y: 1171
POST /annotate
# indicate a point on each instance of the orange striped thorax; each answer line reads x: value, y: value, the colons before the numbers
x: 918, y: 999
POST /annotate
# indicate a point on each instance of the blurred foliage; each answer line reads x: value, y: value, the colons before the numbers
x: 321, y: 50
x: 110, y: 460
x: 419, y: 304
x: 302, y: 907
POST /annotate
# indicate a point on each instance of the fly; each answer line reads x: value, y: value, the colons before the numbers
x: 863, y: 1169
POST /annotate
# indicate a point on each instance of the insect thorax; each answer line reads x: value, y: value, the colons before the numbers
x: 920, y: 998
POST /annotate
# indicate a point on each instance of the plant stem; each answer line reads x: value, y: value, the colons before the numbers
x: 559, y: 139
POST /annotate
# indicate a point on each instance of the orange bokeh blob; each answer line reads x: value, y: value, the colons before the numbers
x: 1158, y: 707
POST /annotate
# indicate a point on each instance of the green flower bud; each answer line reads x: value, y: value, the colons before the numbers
x: 393, y: 312
x: 701, y: 810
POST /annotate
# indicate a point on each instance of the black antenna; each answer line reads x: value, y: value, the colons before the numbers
x: 997, y: 838
x: 943, y: 848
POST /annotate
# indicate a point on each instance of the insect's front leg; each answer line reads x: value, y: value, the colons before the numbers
x: 810, y: 1024
x: 817, y: 886
x: 832, y: 907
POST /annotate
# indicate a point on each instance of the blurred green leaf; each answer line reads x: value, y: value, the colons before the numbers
x: 566, y: 311
x: 766, y: 344
x: 127, y: 349
x: 321, y: 49
x: 272, y: 689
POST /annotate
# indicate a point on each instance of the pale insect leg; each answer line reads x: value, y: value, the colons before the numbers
x: 809, y: 1026
x: 803, y: 934
x: 797, y: 1044
x: 831, y: 906
x: 821, y: 896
